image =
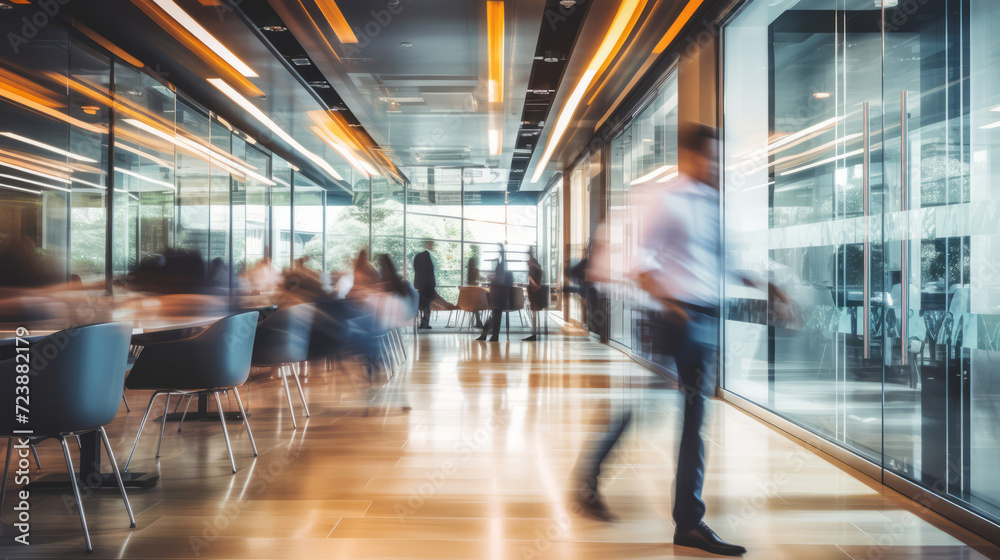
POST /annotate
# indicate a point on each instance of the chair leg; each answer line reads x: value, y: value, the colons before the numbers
x: 124, y: 400
x: 185, y: 413
x: 37, y: 462
x: 6, y: 470
x: 302, y: 395
x: 118, y: 476
x: 288, y: 393
x: 402, y: 346
x: 246, y: 421
x: 225, y: 430
x: 163, y: 423
x: 141, y: 426
x: 76, y: 493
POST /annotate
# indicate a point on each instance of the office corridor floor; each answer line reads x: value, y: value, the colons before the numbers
x: 479, y: 467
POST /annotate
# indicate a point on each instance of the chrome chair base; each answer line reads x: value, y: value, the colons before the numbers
x: 190, y: 395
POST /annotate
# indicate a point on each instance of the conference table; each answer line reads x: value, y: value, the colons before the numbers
x: 89, y: 471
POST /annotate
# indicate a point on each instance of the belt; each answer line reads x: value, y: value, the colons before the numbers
x: 708, y: 311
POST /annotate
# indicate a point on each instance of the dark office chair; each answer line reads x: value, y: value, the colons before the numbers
x: 283, y: 340
x: 217, y: 360
x: 75, y: 379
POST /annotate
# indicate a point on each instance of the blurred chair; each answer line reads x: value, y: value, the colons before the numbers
x: 75, y: 384
x: 282, y: 340
x: 472, y: 300
x: 216, y: 360
x: 515, y: 303
x: 538, y: 305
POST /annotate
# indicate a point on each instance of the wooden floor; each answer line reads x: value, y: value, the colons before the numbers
x: 480, y: 469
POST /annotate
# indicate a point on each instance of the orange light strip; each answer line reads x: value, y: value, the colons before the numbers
x: 331, y: 11
x: 196, y: 46
x: 671, y: 34
x: 678, y: 24
x: 625, y: 15
x: 605, y: 73
x: 108, y: 45
x: 495, y: 40
x: 333, y: 130
x: 40, y: 104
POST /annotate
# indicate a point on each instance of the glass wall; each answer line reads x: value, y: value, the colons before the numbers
x: 550, y: 230
x: 184, y: 180
x: 53, y: 157
x: 308, y: 237
x: 645, y: 152
x: 866, y: 192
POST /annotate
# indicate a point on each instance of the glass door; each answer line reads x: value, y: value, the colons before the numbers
x: 803, y: 202
x: 942, y: 130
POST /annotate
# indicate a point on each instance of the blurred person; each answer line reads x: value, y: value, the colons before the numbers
x: 218, y: 273
x: 500, y: 286
x: 365, y: 276
x: 425, y: 282
x: 472, y: 277
x: 680, y: 267
x: 535, y: 293
x: 261, y: 278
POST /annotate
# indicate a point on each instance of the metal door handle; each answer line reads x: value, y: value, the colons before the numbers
x: 904, y: 242
x: 866, y: 272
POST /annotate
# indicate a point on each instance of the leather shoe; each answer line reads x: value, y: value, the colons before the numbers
x: 482, y: 338
x: 494, y: 338
x: 590, y: 504
x: 531, y: 338
x: 704, y: 538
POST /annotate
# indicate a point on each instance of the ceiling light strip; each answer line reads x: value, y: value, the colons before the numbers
x: 495, y: 40
x: 618, y: 25
x: 48, y: 147
x: 678, y: 24
x: 33, y: 182
x: 147, y: 179
x: 668, y: 38
x: 33, y: 172
x: 342, y: 29
x: 249, y: 107
x: 13, y: 188
x: 202, y: 34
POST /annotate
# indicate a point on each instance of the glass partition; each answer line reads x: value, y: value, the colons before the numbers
x: 643, y: 155
x: 281, y: 214
x: 347, y: 224
x: 863, y: 192
x: 387, y: 220
x: 308, y: 231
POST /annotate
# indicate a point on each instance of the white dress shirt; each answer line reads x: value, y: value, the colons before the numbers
x: 681, y: 239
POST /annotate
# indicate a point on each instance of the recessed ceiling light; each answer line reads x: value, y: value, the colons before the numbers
x: 406, y: 44
x: 274, y: 28
x: 821, y: 95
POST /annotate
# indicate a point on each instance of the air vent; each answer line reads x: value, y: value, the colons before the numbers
x: 301, y: 61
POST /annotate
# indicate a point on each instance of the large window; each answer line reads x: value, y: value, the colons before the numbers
x: 645, y: 152
x: 860, y: 156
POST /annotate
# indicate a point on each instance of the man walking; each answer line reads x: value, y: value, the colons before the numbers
x: 680, y: 265
x: 425, y: 282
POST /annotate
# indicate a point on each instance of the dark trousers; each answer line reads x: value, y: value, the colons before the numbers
x: 426, y: 297
x: 695, y: 365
